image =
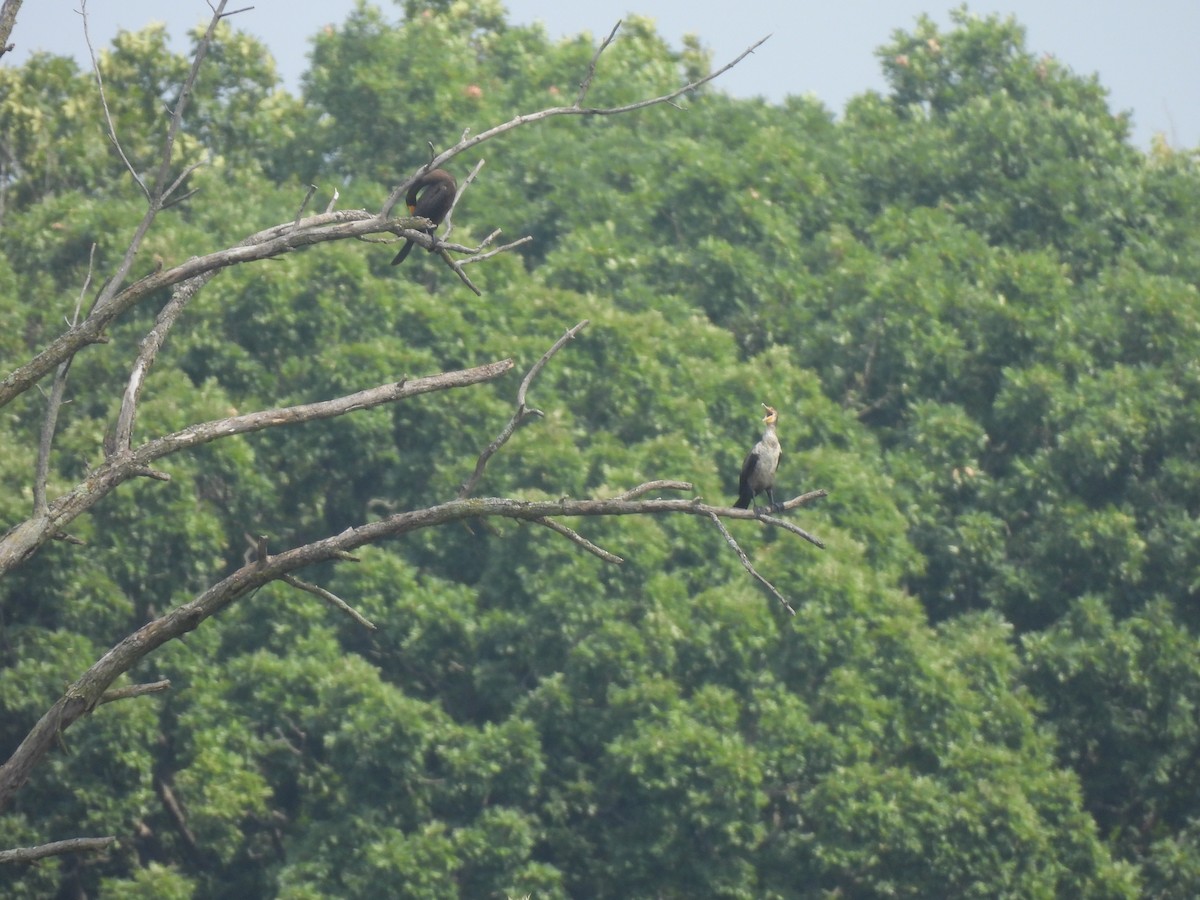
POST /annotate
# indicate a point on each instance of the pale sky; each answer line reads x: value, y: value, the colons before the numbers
x: 1145, y: 53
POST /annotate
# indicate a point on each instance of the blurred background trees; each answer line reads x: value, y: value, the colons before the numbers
x: 974, y: 304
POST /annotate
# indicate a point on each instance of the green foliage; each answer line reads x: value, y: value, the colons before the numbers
x: 972, y: 301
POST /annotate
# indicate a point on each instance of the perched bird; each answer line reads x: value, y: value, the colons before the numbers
x: 758, y: 471
x: 436, y: 195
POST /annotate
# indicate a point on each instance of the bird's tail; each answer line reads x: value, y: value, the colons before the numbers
x: 743, y: 501
x: 403, y: 254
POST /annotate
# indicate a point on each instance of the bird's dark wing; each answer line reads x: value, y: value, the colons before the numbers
x: 435, y: 201
x: 745, y: 491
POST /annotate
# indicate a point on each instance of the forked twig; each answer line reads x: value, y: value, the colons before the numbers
x: 522, y: 413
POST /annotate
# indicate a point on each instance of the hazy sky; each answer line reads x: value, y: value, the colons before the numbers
x: 1145, y: 53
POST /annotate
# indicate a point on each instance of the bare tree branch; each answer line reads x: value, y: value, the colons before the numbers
x: 574, y: 536
x: 54, y: 404
x: 8, y: 19
x: 332, y: 599
x: 308, y: 195
x: 747, y: 564
x: 135, y: 690
x: 523, y: 412
x: 22, y: 540
x: 802, y: 500
x: 586, y: 84
x: 147, y: 353
x: 83, y: 696
x: 266, y: 244
x: 643, y: 489
x: 56, y: 848
x: 576, y: 110
x: 159, y: 192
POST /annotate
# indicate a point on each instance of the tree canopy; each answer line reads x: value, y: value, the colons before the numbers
x: 971, y: 298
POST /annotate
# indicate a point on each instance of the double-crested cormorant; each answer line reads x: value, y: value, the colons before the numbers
x: 758, y: 471
x: 436, y: 189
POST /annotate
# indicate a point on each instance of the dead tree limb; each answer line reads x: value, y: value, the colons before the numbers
x: 22, y: 540
x: 266, y: 244
x: 56, y: 848
x: 83, y: 696
x: 577, y: 109
x: 523, y: 411
x: 8, y: 18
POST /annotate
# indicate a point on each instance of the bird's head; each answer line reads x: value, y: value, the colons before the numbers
x: 771, y: 415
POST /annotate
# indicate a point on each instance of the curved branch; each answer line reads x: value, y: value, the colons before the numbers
x: 578, y: 109
x: 147, y: 353
x: 266, y: 244
x: 21, y: 541
x: 82, y: 697
x: 285, y: 238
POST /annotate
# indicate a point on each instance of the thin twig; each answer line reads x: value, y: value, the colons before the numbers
x: 458, y: 270
x: 108, y: 119
x: 794, y: 529
x: 330, y: 598
x: 477, y: 256
x: 663, y: 485
x: 54, y: 403
x: 312, y: 189
x: 156, y: 195
x: 448, y: 219
x: 576, y: 110
x: 749, y: 566
x: 573, y: 535
x: 522, y: 413
x: 586, y: 84
x: 180, y: 179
